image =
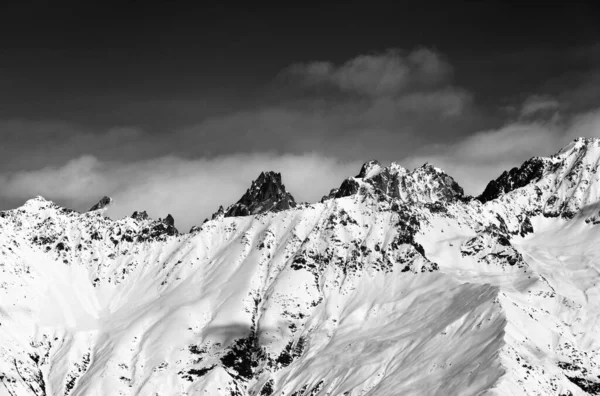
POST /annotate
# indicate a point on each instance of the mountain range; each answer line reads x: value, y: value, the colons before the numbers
x: 395, y: 283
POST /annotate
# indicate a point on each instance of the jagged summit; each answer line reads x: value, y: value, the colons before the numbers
x: 423, y: 184
x: 531, y: 171
x: 140, y: 215
x: 220, y: 213
x: 266, y: 194
x: 559, y: 185
x: 369, y: 169
x: 169, y: 220
x: 577, y: 144
x: 103, y: 203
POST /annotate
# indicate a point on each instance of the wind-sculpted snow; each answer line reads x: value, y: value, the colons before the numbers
x: 395, y: 284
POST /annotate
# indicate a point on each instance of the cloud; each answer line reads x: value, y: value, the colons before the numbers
x: 536, y: 104
x: 449, y: 102
x: 29, y: 144
x: 382, y: 74
x: 401, y: 100
x: 189, y: 189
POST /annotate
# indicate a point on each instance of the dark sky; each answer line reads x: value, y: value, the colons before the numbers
x: 101, y: 62
x: 122, y: 82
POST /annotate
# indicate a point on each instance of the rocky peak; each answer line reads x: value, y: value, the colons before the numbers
x: 164, y: 226
x: 369, y: 169
x: 431, y: 184
x: 559, y: 185
x: 103, y: 203
x: 424, y: 184
x: 169, y: 220
x: 140, y: 215
x: 531, y: 171
x: 266, y: 194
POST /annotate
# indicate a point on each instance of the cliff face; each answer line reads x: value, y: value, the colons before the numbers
x: 394, y: 284
x: 266, y: 194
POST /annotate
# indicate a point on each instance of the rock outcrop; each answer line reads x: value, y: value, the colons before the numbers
x: 266, y: 194
x: 102, y: 204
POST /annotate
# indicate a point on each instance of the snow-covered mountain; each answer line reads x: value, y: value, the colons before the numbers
x: 394, y: 284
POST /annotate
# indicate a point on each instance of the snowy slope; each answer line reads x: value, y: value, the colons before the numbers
x: 395, y: 284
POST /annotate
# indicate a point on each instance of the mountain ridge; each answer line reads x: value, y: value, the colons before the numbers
x: 268, y: 193
x: 405, y: 284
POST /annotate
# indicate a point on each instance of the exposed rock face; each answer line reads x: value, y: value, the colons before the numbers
x: 369, y: 168
x: 530, y: 172
x: 266, y: 194
x: 219, y: 214
x: 557, y: 186
x: 424, y: 184
x: 103, y: 203
x: 169, y: 220
x: 165, y: 226
x: 349, y: 187
x: 140, y: 215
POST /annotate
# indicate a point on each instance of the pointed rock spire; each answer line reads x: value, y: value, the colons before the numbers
x: 266, y: 194
x: 103, y: 203
x: 169, y: 220
x: 219, y: 214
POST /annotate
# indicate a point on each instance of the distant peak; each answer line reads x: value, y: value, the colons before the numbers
x: 267, y: 193
x: 103, y: 203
